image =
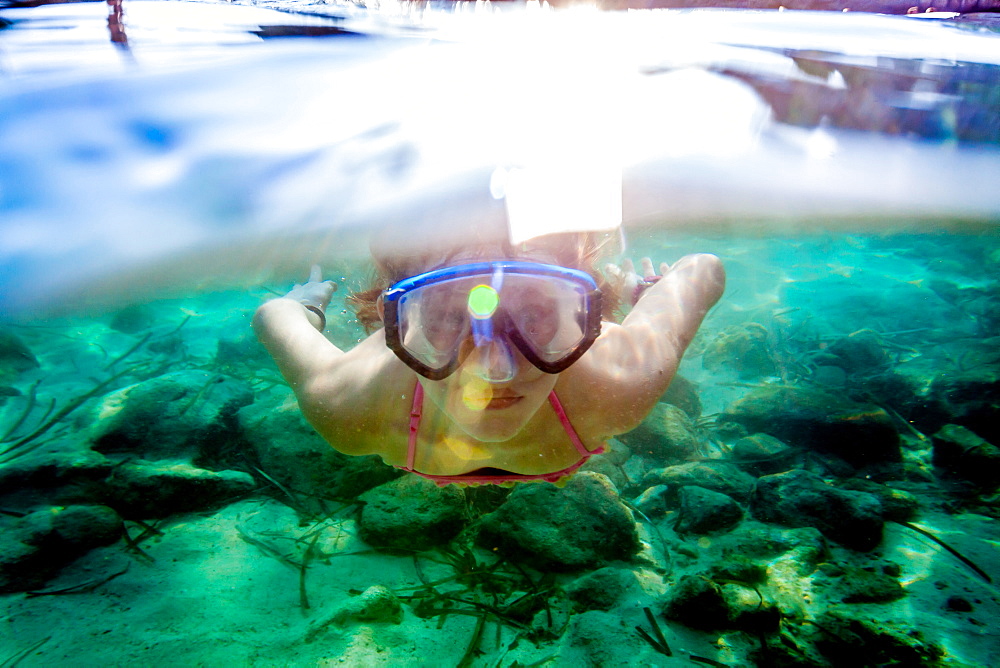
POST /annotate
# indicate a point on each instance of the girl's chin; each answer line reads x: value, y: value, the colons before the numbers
x: 490, y: 425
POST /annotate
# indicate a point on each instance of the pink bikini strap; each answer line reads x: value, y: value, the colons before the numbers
x: 415, y: 411
x: 567, y: 425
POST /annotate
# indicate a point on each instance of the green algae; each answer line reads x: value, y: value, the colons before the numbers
x: 489, y: 590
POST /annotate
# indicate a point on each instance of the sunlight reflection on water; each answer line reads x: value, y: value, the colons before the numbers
x: 180, y: 135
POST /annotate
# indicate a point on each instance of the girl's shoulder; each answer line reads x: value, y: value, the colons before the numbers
x: 361, y: 404
x: 609, y: 391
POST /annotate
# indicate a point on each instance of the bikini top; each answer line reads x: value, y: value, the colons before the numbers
x: 483, y: 476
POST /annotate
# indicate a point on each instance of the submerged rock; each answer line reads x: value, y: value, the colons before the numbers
x: 290, y: 451
x: 958, y: 604
x: 761, y: 454
x: 35, y: 547
x: 684, y: 394
x: 597, y: 638
x: 136, y: 488
x: 667, y: 433
x: 581, y: 525
x: 857, y: 585
x: 377, y: 604
x: 602, y: 589
x: 897, y: 505
x: 904, y: 390
x: 704, y: 511
x: 612, y: 463
x: 848, y: 640
x: 15, y: 356
x: 828, y: 375
x: 971, y: 398
x: 63, y: 478
x: 7, y: 391
x: 411, y: 513
x: 241, y: 353
x: 701, y: 603
x: 860, y: 352
x: 744, y: 348
x: 966, y: 455
x: 189, y: 414
x: 802, y: 499
x: 755, y: 542
x: 738, y: 568
x: 982, y: 303
x: 364, y: 472
x: 133, y: 319
x: 861, y: 434
x: 717, y: 476
x: 655, y: 501
x: 144, y: 490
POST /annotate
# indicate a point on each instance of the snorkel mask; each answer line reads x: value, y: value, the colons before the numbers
x: 435, y: 320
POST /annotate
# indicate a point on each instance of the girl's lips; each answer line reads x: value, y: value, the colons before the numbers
x: 498, y: 403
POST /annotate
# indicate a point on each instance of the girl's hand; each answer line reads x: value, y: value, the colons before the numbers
x: 628, y: 283
x: 315, y: 293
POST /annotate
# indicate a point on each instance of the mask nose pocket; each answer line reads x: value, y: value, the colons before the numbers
x: 494, y: 361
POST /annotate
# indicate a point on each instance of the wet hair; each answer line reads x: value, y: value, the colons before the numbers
x: 581, y: 251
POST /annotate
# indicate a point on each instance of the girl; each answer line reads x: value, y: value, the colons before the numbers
x: 491, y: 364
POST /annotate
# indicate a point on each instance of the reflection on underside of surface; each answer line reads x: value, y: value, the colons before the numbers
x: 930, y: 99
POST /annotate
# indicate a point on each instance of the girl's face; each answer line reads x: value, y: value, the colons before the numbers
x: 495, y: 391
x: 483, y: 408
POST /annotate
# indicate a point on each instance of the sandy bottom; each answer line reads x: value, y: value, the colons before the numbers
x: 205, y: 596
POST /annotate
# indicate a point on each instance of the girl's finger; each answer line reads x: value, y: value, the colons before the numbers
x: 315, y: 274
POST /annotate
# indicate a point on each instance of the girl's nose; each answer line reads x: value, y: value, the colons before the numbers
x: 494, y: 361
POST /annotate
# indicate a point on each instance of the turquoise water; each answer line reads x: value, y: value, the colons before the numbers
x: 820, y: 488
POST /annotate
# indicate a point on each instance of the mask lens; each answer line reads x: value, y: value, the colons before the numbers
x: 434, y: 321
x: 549, y: 313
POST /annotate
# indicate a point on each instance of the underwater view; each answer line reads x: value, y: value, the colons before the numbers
x: 818, y: 484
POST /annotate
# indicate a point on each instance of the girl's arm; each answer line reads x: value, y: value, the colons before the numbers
x: 667, y: 316
x: 343, y: 395
x: 291, y: 329
x: 631, y: 364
